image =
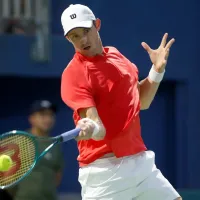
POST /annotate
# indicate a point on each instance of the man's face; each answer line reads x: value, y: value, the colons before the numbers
x: 43, y: 120
x: 86, y: 40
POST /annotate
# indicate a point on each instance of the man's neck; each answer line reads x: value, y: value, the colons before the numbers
x: 38, y: 132
x: 101, y: 47
x: 100, y: 51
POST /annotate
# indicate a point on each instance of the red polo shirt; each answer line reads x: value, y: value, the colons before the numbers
x: 108, y: 82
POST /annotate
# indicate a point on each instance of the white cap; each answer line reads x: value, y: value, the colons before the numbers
x: 76, y: 16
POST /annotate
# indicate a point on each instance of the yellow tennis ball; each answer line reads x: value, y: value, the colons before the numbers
x: 5, y: 163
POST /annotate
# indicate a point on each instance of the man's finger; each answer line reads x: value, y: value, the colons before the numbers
x: 164, y: 40
x: 169, y: 44
x: 81, y: 134
x: 167, y: 54
x: 84, y: 120
x: 146, y: 47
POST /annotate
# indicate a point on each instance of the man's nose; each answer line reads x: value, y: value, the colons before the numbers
x: 83, y: 40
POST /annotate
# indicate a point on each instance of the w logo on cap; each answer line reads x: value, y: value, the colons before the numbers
x: 73, y: 16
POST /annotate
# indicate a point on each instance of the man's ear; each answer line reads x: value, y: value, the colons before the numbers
x: 31, y: 119
x: 98, y: 24
x: 68, y: 39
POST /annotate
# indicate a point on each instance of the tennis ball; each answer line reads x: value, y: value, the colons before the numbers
x: 5, y: 163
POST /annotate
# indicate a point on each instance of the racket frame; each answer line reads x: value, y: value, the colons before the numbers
x: 55, y: 140
x: 15, y: 132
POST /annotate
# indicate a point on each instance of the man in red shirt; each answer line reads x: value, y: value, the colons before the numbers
x: 101, y: 86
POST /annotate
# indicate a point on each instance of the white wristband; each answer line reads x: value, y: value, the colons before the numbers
x: 155, y: 76
x: 96, y: 127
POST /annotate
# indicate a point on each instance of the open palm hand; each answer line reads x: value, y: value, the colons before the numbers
x: 160, y: 55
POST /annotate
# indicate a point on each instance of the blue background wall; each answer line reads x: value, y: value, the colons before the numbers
x: 170, y: 127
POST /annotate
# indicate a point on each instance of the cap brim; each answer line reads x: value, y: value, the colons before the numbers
x: 83, y: 24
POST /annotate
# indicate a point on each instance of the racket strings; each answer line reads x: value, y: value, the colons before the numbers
x: 21, y: 149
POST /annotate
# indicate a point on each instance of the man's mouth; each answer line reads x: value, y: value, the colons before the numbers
x: 86, y: 48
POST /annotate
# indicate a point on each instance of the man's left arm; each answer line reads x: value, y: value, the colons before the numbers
x: 58, y: 177
x: 149, y: 86
x: 148, y: 90
x: 59, y: 166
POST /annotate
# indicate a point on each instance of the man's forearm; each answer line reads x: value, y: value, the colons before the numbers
x: 149, y: 86
x: 58, y: 178
x: 92, y: 114
x: 148, y: 90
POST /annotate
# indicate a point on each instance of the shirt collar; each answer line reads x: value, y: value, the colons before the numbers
x: 92, y: 58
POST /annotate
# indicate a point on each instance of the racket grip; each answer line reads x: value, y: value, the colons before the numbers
x: 70, y: 134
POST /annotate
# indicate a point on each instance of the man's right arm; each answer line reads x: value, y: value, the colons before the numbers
x: 88, y: 126
x: 77, y: 93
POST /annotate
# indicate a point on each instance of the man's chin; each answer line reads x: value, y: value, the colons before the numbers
x: 88, y: 53
x: 46, y: 130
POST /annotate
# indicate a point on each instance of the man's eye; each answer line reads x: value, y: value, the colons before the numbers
x: 74, y: 37
x: 86, y: 30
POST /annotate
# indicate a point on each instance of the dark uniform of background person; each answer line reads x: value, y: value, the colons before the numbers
x: 43, y: 181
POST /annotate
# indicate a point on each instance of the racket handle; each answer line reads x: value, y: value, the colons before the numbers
x: 70, y: 134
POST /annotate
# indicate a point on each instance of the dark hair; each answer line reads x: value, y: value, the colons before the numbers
x: 94, y: 23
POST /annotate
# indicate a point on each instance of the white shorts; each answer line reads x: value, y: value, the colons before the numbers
x: 129, y: 178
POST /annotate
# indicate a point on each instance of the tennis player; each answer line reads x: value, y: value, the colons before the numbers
x: 101, y: 86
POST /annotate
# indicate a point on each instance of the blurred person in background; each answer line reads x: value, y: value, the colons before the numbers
x: 43, y: 181
x: 14, y: 27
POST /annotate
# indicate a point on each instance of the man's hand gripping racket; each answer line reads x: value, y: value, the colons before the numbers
x: 24, y: 151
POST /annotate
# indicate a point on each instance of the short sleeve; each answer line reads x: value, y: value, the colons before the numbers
x: 76, y: 92
x: 135, y: 68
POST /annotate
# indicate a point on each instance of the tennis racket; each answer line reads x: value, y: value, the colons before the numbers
x: 25, y: 152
